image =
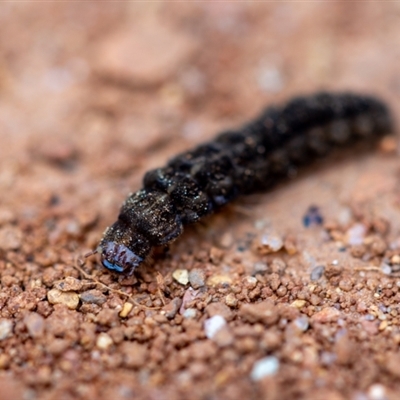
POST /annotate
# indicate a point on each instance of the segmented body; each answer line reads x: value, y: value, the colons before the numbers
x: 198, y: 182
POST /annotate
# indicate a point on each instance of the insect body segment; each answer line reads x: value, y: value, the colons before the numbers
x: 198, y: 182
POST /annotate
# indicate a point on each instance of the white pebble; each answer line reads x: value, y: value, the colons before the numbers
x: 377, y: 392
x: 386, y: 269
x: 213, y: 325
x: 190, y: 313
x: 271, y: 243
x: 265, y: 367
x: 302, y: 323
x: 356, y: 234
x: 6, y: 327
x: 104, y: 341
x: 251, y: 281
x: 181, y: 276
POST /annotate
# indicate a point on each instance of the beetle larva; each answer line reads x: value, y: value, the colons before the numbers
x: 200, y: 181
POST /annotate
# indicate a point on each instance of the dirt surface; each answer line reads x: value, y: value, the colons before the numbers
x: 252, y: 303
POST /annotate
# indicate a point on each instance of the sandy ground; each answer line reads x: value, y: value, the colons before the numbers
x: 92, y: 96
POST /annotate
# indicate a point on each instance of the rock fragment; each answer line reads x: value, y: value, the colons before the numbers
x: 181, y: 276
x: 6, y: 328
x: 265, y: 367
x: 197, y: 278
x: 94, y: 297
x: 104, y: 341
x: 70, y: 299
x: 213, y: 325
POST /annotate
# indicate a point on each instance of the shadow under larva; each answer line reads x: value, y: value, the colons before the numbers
x: 247, y: 160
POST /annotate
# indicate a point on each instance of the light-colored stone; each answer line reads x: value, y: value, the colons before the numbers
x: 220, y: 279
x: 6, y: 328
x: 70, y: 299
x: 104, y: 341
x: 181, y: 276
x: 126, y: 309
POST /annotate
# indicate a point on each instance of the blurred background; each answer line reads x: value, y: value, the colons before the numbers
x: 93, y: 95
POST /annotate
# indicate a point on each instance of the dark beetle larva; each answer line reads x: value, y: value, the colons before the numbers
x: 198, y: 182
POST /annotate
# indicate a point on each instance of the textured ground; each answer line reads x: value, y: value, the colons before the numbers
x: 92, y: 96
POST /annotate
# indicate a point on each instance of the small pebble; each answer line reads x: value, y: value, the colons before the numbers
x: 269, y: 244
x: 94, y: 297
x: 213, y: 325
x: 189, y: 296
x: 395, y: 259
x: 386, y: 268
x: 250, y: 282
x: 355, y: 235
x: 298, y: 303
x: 346, y: 285
x: 231, y: 300
x: 69, y: 284
x: 172, y: 308
x: 260, y: 267
x: 104, y: 341
x: 126, y: 309
x: 265, y: 367
x: 190, y: 313
x: 222, y: 279
x: 317, y: 273
x: 377, y: 392
x: 302, y: 323
x: 197, y: 278
x: 70, y: 299
x: 6, y: 328
x: 181, y: 276
x: 383, y: 325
